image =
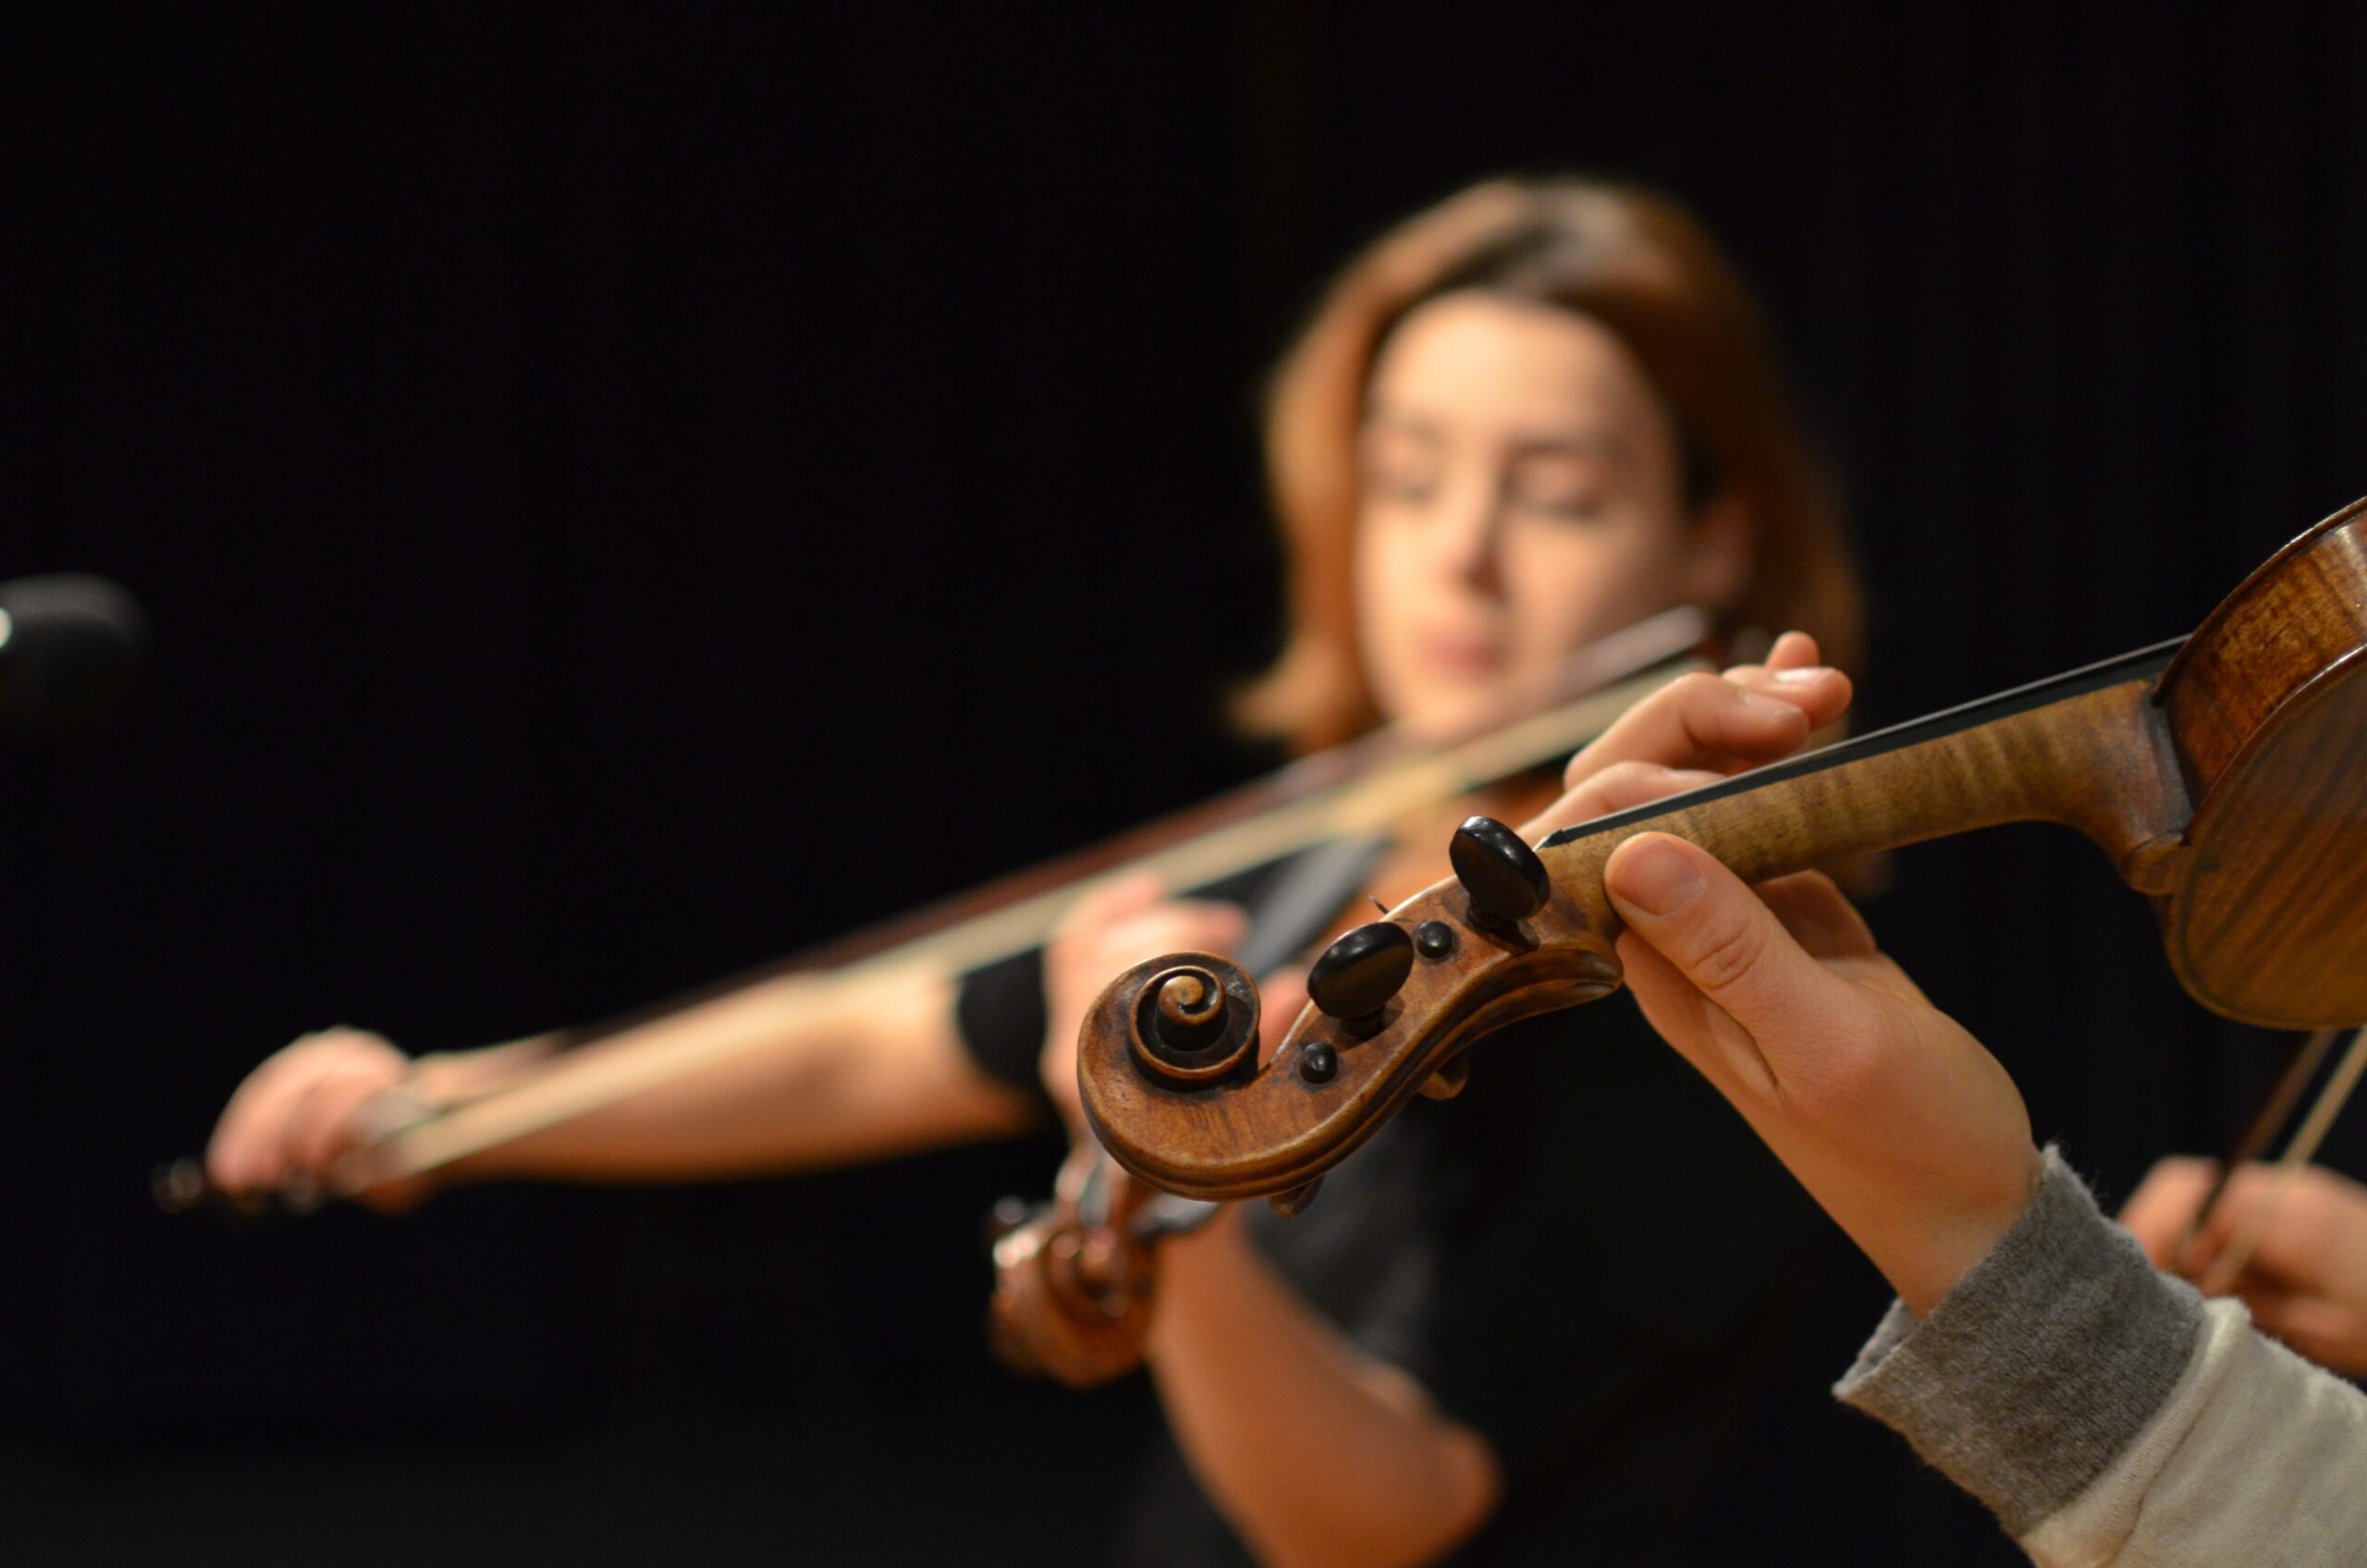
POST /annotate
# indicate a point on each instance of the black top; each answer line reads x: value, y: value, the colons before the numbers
x: 1587, y: 1257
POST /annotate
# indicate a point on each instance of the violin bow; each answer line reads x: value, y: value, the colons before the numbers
x: 2228, y: 1263
x: 1350, y: 792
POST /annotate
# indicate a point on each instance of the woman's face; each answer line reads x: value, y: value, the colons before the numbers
x: 1520, y: 495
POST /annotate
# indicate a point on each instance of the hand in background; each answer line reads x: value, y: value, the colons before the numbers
x: 1701, y: 728
x: 306, y: 1106
x: 2306, y: 1280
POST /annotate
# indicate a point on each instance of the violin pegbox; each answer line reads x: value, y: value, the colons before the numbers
x: 1167, y: 1061
x: 1504, y: 884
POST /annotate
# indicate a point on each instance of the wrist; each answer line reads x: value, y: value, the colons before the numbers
x: 436, y: 1082
x: 1197, y: 1269
x: 430, y: 1086
x: 1221, y: 1243
x: 444, y: 1080
x: 1939, y: 1249
x: 2064, y: 1315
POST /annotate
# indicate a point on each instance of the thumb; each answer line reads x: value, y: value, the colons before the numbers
x: 1724, y: 945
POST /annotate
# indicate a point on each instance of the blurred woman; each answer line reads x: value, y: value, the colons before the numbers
x: 1522, y: 1323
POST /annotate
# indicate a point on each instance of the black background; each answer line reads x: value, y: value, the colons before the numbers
x: 624, y: 491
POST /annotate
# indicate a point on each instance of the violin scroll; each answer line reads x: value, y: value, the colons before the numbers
x: 1394, y: 1003
x: 1191, y: 1021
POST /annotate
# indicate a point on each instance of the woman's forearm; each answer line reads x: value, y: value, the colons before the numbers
x: 1319, y: 1456
x: 777, y: 1084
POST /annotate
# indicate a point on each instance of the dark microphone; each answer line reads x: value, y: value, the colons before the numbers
x: 72, y: 647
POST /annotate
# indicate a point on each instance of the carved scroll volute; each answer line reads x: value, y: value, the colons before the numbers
x: 1243, y: 1132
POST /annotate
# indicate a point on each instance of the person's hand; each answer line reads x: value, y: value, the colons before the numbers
x: 1113, y: 928
x: 2306, y: 1280
x: 1908, y: 1132
x: 303, y: 1109
x: 1693, y: 731
x: 1699, y: 728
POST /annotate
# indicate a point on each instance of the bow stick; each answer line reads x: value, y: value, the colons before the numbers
x: 1348, y: 792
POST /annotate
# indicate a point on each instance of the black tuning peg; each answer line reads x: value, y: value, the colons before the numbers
x: 1505, y: 879
x: 1357, y: 975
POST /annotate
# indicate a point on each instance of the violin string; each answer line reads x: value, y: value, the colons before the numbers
x: 2230, y: 1263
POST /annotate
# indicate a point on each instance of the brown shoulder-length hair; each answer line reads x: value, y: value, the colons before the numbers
x: 1640, y: 265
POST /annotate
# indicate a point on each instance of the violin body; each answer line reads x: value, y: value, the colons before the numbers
x: 1076, y: 1280
x: 2267, y: 704
x: 2222, y: 776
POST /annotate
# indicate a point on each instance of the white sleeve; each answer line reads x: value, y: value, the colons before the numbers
x: 2108, y: 1416
x: 2257, y: 1458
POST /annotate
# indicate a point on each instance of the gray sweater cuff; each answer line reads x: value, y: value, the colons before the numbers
x: 2033, y: 1374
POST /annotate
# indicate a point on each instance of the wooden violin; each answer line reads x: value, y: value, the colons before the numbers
x: 2222, y: 775
x: 1076, y: 1279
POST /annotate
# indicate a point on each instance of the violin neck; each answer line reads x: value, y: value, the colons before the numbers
x: 2089, y: 750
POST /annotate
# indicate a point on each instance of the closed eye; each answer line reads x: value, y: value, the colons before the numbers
x: 1559, y: 483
